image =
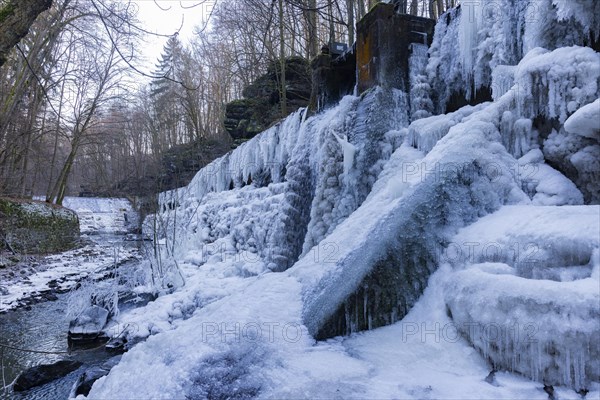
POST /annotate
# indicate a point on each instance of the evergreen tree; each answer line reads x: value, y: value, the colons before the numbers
x: 165, y: 94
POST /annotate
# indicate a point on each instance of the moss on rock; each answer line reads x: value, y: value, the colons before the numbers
x: 34, y: 227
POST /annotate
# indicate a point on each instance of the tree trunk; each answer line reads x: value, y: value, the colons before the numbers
x: 432, y: 14
x: 440, y: 8
x: 16, y: 16
x: 361, y: 9
x: 60, y: 187
x: 350, y: 11
x: 414, y: 7
x: 283, y: 99
x: 49, y: 198
x: 331, y: 24
x: 313, y: 41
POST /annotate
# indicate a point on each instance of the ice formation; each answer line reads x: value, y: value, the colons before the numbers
x: 487, y: 210
x: 585, y: 121
x: 526, y: 296
x: 471, y: 41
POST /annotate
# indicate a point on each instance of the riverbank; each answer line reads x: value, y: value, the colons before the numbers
x: 106, y: 243
x: 39, y: 278
x: 34, y: 305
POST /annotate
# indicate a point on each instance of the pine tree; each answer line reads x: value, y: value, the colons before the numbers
x: 165, y: 95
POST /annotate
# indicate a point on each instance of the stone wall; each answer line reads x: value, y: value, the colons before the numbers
x: 34, y: 227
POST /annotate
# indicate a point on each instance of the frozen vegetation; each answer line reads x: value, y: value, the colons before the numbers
x: 469, y: 239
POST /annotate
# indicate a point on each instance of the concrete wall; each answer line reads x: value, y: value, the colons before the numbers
x: 383, y: 46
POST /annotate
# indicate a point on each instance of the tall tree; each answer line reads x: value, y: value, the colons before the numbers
x: 16, y: 17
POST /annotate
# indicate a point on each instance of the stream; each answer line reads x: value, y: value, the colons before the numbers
x: 37, y: 334
x: 43, y: 328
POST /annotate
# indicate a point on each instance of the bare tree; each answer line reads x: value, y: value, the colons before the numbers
x: 16, y: 17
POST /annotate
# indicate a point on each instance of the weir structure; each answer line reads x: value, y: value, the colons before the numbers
x: 380, y: 56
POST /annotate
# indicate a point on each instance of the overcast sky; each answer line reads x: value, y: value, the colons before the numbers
x: 165, y: 17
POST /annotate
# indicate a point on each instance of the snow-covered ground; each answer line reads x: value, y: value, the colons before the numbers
x: 34, y: 277
x: 486, y: 217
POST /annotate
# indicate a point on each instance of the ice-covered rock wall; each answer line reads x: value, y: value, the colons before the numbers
x: 472, y: 40
x: 316, y: 173
x: 487, y: 49
x: 356, y: 206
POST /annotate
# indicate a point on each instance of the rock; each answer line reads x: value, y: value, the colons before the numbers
x: 491, y: 378
x: 116, y: 345
x: 549, y: 389
x: 177, y: 167
x: 42, y: 374
x: 87, y: 379
x: 36, y: 227
x: 131, y: 300
x: 332, y: 78
x: 50, y: 296
x: 91, y: 375
x: 87, y: 327
x: 260, y: 107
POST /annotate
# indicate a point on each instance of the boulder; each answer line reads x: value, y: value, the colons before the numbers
x: 36, y: 227
x: 86, y: 380
x: 116, y: 345
x: 42, y: 374
x: 261, y: 107
x: 87, y: 327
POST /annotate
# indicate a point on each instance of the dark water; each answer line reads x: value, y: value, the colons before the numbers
x: 43, y: 328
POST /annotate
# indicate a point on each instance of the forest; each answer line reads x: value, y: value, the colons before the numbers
x: 300, y: 199
x: 82, y: 110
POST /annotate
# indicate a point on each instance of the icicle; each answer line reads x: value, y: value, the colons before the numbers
x: 470, y: 23
x: 349, y: 151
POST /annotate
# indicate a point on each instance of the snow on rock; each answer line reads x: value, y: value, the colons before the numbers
x: 471, y: 41
x: 536, y: 312
x: 63, y: 271
x: 544, y: 184
x: 585, y: 121
x: 531, y: 239
x: 554, y: 84
x: 425, y: 133
x: 465, y: 176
